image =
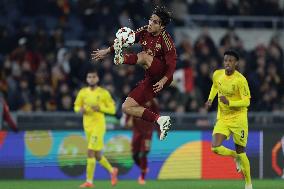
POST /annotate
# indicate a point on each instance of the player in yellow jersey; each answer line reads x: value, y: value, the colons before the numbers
x: 233, y: 100
x: 94, y: 102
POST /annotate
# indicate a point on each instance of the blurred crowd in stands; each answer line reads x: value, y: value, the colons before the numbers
x: 45, y: 51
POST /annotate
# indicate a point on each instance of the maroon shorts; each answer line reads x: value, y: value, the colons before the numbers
x: 141, y: 142
x: 144, y: 92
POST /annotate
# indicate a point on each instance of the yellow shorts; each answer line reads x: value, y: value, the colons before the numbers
x: 95, y: 140
x: 237, y: 126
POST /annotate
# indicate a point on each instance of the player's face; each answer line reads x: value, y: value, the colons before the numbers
x: 155, y: 25
x: 230, y: 63
x: 92, y: 79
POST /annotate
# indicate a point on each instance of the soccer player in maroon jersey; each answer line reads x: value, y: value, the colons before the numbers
x: 7, y: 115
x: 141, y: 139
x: 158, y: 58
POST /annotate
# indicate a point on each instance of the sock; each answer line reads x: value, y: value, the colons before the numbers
x: 130, y: 59
x: 149, y: 116
x: 104, y: 162
x: 91, y: 164
x: 8, y: 118
x: 135, y: 157
x: 143, y: 166
x: 221, y: 150
x: 245, y: 166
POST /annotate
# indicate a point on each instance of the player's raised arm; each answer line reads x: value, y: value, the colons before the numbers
x: 100, y: 53
x: 126, y: 38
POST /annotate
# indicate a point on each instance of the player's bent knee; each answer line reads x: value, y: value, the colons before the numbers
x: 215, y: 149
x: 144, y: 58
x: 125, y: 108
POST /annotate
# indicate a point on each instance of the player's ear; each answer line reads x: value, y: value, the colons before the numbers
x: 236, y: 63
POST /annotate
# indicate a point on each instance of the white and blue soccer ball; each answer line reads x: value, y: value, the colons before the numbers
x: 126, y: 35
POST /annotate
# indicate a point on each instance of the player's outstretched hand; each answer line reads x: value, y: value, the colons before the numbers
x: 208, y: 104
x: 99, y: 54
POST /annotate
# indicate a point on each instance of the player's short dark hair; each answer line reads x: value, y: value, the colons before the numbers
x: 232, y: 53
x: 163, y: 14
x: 92, y: 70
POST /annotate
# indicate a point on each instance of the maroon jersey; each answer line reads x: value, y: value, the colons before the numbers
x: 161, y: 47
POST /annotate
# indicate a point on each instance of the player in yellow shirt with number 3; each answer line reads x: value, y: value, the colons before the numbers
x: 233, y: 100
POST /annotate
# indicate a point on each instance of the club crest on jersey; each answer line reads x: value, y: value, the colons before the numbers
x: 144, y: 43
x: 158, y: 46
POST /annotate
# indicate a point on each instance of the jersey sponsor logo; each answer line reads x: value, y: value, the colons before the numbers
x: 158, y: 46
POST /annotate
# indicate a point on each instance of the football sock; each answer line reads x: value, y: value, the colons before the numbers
x: 7, y: 117
x: 104, y: 162
x: 245, y: 166
x: 135, y: 157
x: 143, y: 166
x: 130, y: 58
x: 91, y: 164
x: 149, y: 116
x: 221, y: 150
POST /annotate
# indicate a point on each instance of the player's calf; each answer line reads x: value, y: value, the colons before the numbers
x: 238, y: 164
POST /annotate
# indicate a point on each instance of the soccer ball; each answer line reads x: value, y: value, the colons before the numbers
x: 126, y: 35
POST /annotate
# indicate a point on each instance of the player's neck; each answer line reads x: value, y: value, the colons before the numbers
x: 93, y: 87
x: 158, y: 33
x: 229, y: 73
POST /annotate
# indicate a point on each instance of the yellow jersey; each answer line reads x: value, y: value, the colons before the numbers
x: 235, y: 88
x: 87, y: 98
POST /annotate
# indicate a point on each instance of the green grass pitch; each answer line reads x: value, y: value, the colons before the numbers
x: 124, y: 184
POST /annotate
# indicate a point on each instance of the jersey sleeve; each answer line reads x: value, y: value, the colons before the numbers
x: 78, y: 101
x: 170, y: 54
x: 214, y: 90
x: 244, y: 93
x: 139, y: 32
x: 107, y: 105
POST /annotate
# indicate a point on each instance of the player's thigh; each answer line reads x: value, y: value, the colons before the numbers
x: 222, y: 127
x: 239, y: 129
x: 143, y: 92
x: 96, y: 140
